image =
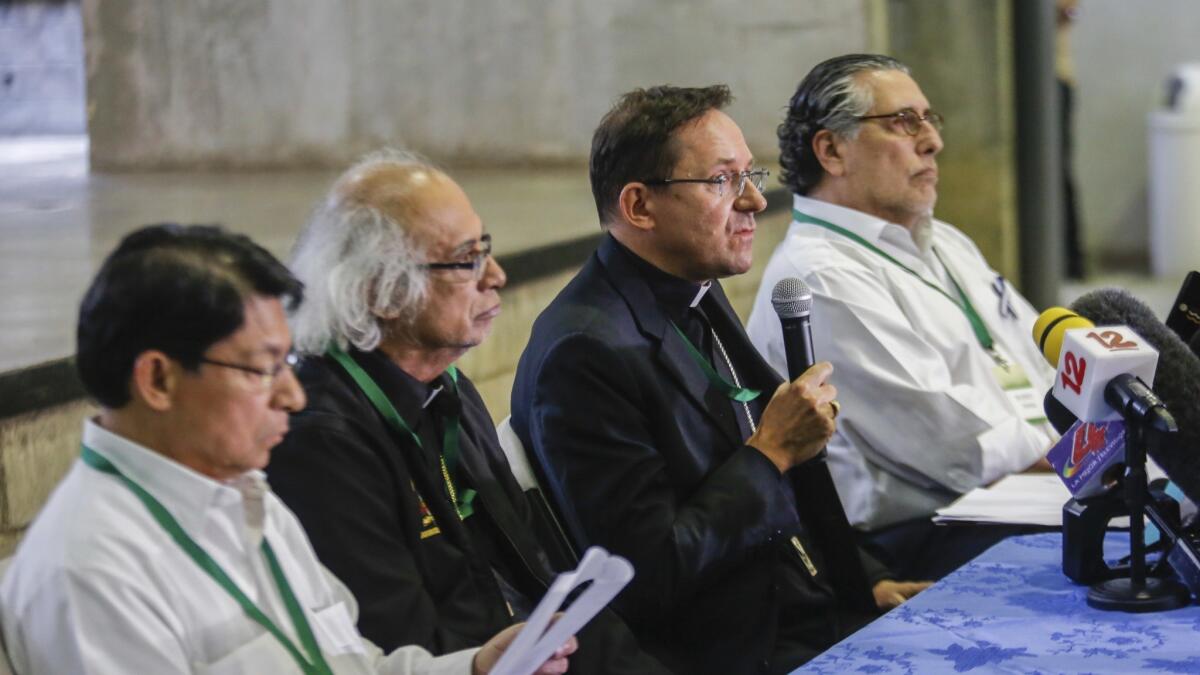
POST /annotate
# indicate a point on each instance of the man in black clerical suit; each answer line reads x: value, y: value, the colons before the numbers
x: 659, y: 431
x: 394, y: 468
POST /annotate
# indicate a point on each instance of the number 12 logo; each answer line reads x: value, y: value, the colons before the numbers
x: 1113, y: 341
x: 1073, y: 372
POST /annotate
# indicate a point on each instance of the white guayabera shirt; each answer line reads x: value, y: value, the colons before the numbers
x: 925, y: 413
x: 98, y: 586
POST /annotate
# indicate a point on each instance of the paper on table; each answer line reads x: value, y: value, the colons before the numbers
x: 538, y: 638
x: 1019, y: 499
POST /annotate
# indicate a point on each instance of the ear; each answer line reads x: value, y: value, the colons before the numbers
x: 636, y: 207
x: 154, y: 380
x: 829, y: 149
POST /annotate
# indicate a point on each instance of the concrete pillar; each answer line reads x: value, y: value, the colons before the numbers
x: 961, y: 54
x: 1039, y: 152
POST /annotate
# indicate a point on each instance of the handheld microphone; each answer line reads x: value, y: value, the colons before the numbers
x: 1177, y: 380
x: 792, y: 300
x: 1184, y: 317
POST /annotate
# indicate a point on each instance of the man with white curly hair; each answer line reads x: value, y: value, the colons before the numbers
x: 394, y: 468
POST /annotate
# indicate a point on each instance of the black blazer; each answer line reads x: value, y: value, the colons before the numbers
x: 342, y: 470
x: 619, y: 420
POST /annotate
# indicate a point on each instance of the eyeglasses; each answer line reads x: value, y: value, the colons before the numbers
x: 267, y: 376
x: 909, y: 121
x: 758, y: 177
x: 477, y: 264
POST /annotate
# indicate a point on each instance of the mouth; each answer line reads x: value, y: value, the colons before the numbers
x: 277, y: 437
x: 489, y: 314
x: 927, y: 175
x: 743, y: 230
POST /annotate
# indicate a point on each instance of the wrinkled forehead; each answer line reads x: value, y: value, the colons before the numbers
x: 264, y: 330
x: 893, y: 90
x: 430, y: 205
x: 710, y: 141
x: 389, y: 187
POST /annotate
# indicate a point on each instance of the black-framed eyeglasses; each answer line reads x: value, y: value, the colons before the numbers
x: 908, y: 120
x: 267, y: 376
x: 477, y: 264
x: 758, y: 177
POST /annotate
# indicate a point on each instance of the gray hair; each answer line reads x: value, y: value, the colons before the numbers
x: 359, y: 266
x: 829, y: 97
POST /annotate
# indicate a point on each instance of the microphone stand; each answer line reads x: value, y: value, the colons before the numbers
x: 1138, y: 592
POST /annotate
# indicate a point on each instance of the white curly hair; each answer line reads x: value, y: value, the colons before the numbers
x: 358, y: 264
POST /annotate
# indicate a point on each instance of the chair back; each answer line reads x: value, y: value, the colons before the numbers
x: 518, y: 461
x: 550, y: 532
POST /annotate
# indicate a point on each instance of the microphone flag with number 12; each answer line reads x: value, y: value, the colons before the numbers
x: 1093, y: 448
x: 1090, y: 358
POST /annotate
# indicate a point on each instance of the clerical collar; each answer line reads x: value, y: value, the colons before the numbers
x: 410, y: 396
x: 673, y: 294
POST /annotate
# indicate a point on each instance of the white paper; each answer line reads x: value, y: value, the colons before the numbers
x: 1019, y: 499
x: 539, y: 639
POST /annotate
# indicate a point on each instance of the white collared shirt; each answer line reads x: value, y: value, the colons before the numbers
x: 923, y: 417
x: 98, y: 586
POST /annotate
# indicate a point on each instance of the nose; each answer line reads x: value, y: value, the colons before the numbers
x: 929, y: 141
x: 751, y: 199
x: 493, y: 275
x: 288, y: 394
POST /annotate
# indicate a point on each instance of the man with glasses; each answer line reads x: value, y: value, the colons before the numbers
x: 163, y: 550
x: 940, y: 382
x: 659, y: 431
x: 394, y: 468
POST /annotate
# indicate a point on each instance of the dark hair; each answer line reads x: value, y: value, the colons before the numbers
x: 634, y: 140
x: 174, y: 288
x: 827, y: 98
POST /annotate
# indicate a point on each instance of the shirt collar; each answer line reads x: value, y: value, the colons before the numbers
x: 186, y: 494
x: 876, y: 230
x: 673, y: 294
x: 410, y: 396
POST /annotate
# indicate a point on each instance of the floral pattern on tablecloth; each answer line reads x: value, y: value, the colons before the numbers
x: 1013, y: 611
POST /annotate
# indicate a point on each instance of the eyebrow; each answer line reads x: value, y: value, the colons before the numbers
x: 731, y: 160
x: 273, y: 350
x: 467, y: 246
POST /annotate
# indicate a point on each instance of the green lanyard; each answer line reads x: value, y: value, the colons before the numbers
x: 315, y: 663
x: 736, y: 393
x: 450, y: 452
x: 976, y: 321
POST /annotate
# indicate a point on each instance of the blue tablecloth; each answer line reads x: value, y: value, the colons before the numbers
x: 1011, y: 610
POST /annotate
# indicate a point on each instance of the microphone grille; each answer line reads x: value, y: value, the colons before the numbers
x: 792, y: 298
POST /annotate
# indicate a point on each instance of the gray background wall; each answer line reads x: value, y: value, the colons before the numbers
x: 1123, y: 53
x: 41, y: 68
x: 282, y: 82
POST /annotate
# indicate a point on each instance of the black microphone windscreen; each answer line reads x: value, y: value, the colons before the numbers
x: 1176, y: 379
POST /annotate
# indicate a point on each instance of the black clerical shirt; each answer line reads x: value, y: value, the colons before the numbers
x: 684, y: 302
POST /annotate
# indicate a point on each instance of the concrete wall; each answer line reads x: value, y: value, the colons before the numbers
x: 182, y: 83
x: 1123, y: 52
x: 41, y: 68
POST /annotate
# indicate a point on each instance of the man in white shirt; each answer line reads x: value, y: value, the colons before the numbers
x: 163, y: 550
x: 940, y: 382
